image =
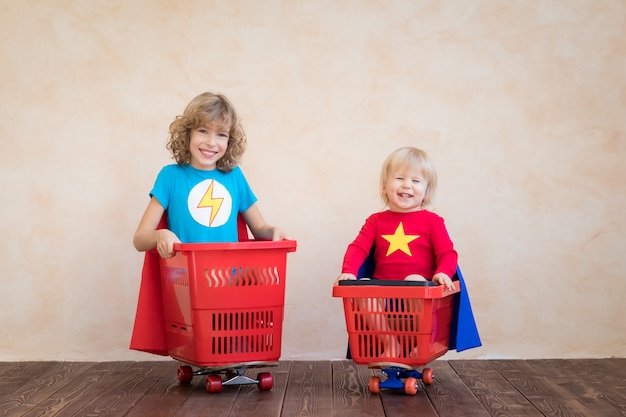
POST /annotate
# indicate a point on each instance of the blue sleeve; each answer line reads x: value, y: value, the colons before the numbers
x: 162, y: 186
x: 246, y: 197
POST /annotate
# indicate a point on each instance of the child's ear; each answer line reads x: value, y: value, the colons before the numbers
x: 426, y: 194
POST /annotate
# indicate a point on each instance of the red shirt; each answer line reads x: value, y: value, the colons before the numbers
x: 404, y: 244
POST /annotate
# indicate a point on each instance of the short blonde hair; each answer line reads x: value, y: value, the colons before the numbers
x: 208, y: 109
x: 415, y: 158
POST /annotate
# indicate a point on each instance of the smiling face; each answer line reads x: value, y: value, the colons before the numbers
x: 405, y: 188
x: 207, y: 144
x: 407, y: 180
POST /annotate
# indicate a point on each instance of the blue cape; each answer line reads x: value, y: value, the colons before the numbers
x: 463, y: 331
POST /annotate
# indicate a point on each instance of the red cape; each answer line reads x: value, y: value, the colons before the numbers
x: 149, y: 328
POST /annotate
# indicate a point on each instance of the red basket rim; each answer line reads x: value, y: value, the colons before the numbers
x: 289, y: 245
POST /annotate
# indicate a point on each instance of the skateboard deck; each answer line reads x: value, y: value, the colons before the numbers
x: 380, y: 365
x: 254, y: 364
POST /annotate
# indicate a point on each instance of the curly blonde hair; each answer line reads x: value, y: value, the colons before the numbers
x: 208, y: 109
x: 413, y: 157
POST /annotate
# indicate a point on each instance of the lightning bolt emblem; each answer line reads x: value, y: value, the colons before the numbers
x: 207, y: 201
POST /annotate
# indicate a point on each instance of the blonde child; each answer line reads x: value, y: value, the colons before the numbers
x: 409, y: 242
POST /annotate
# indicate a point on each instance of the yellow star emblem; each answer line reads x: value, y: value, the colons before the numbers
x: 399, y: 241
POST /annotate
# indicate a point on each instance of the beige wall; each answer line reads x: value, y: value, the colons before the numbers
x: 521, y: 105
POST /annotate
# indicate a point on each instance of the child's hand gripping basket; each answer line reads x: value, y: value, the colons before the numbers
x: 400, y: 322
x: 223, y: 302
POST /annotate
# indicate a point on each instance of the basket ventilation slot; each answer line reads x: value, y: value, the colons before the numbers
x: 242, y: 276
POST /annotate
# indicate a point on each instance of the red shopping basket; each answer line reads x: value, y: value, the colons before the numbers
x: 223, y: 302
x: 417, y: 315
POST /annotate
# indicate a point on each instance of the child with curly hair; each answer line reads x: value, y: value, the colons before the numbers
x: 205, y: 191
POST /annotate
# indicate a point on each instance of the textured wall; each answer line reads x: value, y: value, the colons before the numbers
x: 520, y: 104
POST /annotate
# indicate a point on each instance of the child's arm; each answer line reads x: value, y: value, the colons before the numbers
x: 148, y: 237
x: 259, y: 228
x: 445, y: 254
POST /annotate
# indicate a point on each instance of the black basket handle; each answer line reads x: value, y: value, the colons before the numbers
x: 386, y: 283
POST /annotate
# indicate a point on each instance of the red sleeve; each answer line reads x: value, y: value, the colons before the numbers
x: 359, y: 249
x: 445, y: 255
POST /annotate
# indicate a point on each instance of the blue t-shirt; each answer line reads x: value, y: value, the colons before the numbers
x: 202, y: 206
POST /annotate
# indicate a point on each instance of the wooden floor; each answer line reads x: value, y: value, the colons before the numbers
x: 586, y: 387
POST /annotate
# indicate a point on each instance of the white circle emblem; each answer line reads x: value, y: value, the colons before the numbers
x: 210, y: 203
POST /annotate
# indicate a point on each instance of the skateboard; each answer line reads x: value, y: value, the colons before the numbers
x: 231, y: 374
x: 399, y: 376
